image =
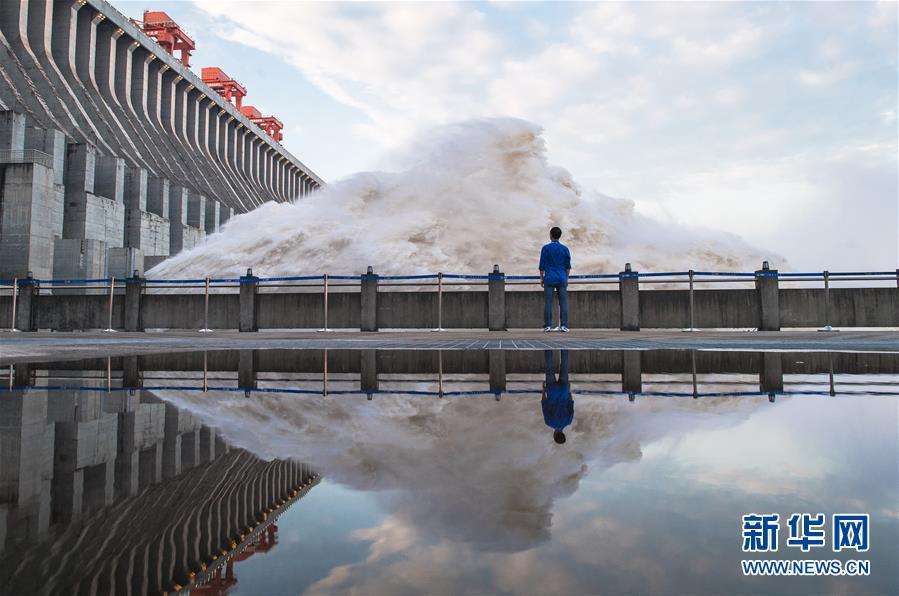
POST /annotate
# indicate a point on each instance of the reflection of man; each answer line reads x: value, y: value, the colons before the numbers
x: 558, y: 405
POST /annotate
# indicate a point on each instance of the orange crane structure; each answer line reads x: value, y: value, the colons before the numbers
x: 271, y: 125
x: 171, y: 37
x: 167, y: 34
x: 225, y: 579
x: 224, y: 85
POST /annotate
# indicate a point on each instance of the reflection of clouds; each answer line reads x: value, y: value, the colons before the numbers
x: 807, y: 447
x: 473, y: 488
x: 470, y: 469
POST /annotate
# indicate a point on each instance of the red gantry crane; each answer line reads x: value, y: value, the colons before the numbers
x: 227, y: 87
x: 271, y: 125
x: 168, y: 34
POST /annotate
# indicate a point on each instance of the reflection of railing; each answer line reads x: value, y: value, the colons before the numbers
x: 248, y: 391
x: 26, y: 156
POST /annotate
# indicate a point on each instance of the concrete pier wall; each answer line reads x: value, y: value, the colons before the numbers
x: 594, y: 309
x: 98, y: 123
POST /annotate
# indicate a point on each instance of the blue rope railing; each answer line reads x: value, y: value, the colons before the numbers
x: 874, y: 275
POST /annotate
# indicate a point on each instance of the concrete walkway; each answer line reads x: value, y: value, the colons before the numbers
x: 17, y: 347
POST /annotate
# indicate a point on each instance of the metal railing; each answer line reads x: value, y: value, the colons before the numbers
x: 325, y: 390
x: 9, y: 156
x: 440, y: 281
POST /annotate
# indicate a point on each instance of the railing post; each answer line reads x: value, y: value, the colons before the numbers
x: 325, y: 371
x: 766, y: 285
x: 246, y: 369
x: 496, y: 363
x: 15, y: 292
x: 440, y: 373
x: 631, y: 372
x: 690, y: 273
x: 325, y: 302
x: 206, y: 328
x: 771, y: 376
x: 131, y: 372
x: 109, y: 328
x: 833, y: 391
x: 827, y: 326
x: 439, y: 302
x: 27, y: 303
x: 368, y: 371
x: 248, y: 286
x: 693, y: 370
x: 22, y: 375
x: 368, y: 320
x: 496, y: 300
x: 629, y: 295
x: 134, y: 289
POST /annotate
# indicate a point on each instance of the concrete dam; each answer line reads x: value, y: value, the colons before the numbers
x: 114, y: 154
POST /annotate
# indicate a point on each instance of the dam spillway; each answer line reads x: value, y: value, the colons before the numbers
x: 114, y: 155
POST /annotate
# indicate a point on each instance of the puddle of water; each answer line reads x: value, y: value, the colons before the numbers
x: 442, y: 472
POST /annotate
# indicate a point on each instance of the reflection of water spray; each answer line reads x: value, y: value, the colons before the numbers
x: 475, y: 194
x: 466, y: 468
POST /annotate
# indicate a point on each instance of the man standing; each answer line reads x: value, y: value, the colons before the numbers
x: 555, y: 263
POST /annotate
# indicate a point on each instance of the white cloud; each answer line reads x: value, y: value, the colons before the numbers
x: 649, y: 100
x: 827, y: 75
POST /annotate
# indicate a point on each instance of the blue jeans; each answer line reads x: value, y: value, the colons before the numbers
x: 551, y: 367
x: 548, y: 291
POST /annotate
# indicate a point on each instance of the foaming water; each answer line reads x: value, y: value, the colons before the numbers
x: 471, y: 195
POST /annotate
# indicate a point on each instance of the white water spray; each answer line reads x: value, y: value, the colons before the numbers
x: 474, y: 194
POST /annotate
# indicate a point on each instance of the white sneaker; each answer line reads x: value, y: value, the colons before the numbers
x: 556, y: 328
x: 547, y: 329
x: 563, y: 329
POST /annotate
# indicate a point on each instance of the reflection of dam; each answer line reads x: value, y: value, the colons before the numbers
x: 116, y: 491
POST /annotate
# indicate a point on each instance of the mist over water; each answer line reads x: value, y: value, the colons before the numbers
x: 466, y: 196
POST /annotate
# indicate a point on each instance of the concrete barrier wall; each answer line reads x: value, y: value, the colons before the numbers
x: 587, y: 309
x: 712, y: 308
x: 849, y: 307
x: 72, y: 312
x: 307, y: 311
x: 185, y: 311
x: 590, y: 309
x: 418, y: 310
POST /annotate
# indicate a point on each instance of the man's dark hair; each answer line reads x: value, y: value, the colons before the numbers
x: 559, y: 436
x: 555, y: 233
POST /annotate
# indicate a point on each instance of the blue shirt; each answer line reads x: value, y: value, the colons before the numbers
x: 558, y: 407
x: 554, y: 261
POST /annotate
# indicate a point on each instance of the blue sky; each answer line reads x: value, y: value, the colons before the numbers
x: 775, y: 121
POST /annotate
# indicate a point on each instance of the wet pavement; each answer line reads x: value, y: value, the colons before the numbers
x: 43, y: 345
x: 441, y: 471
